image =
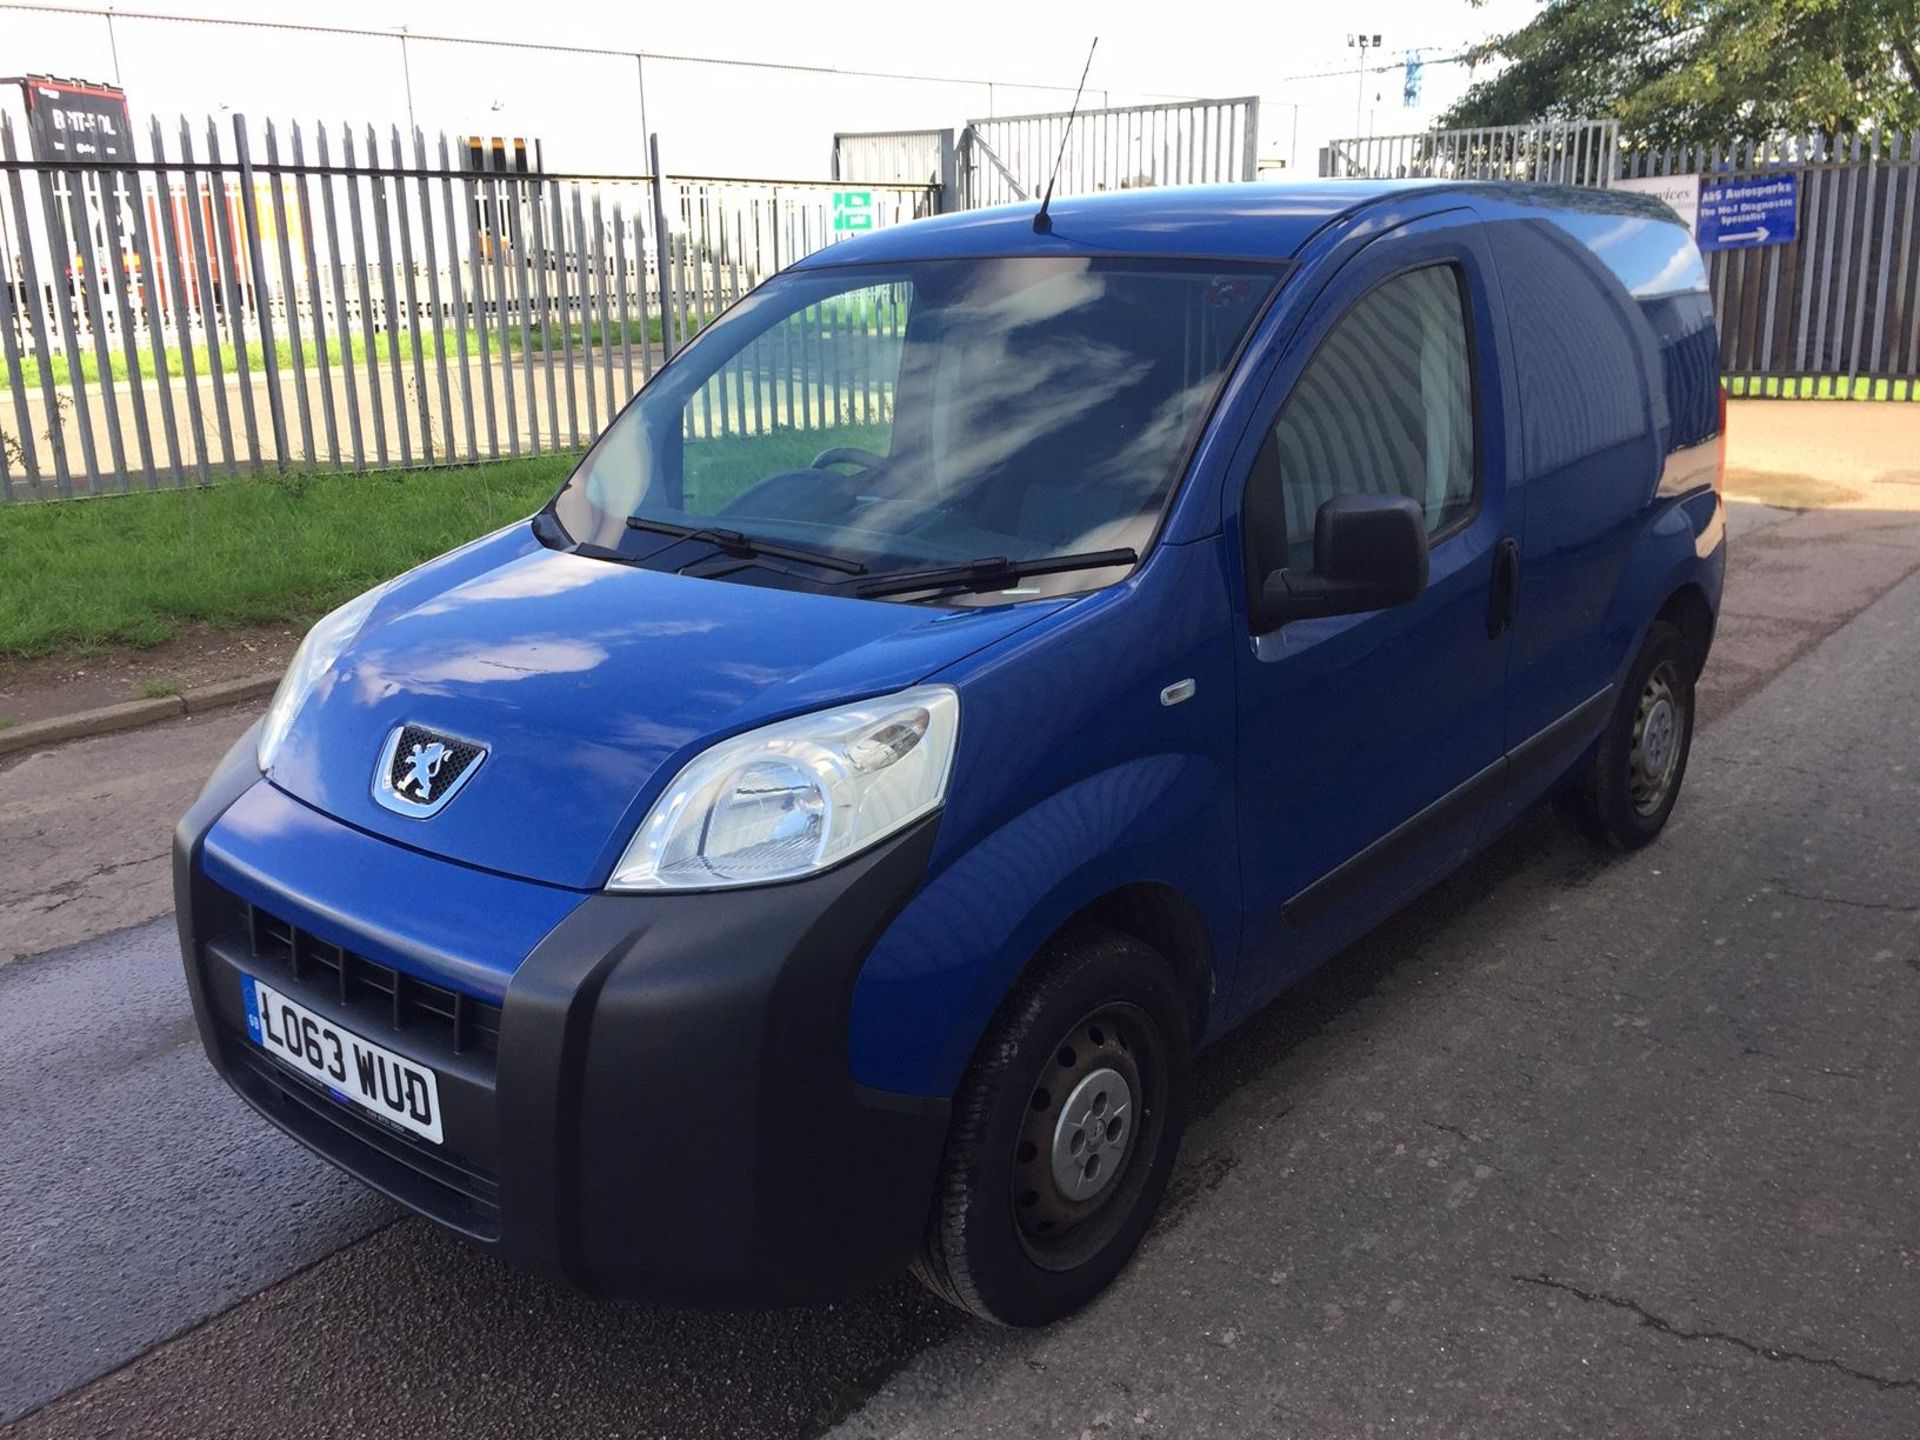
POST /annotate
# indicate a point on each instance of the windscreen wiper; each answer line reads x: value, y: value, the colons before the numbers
x: 746, y: 547
x: 988, y: 572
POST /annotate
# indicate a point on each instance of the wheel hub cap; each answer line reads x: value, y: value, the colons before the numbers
x: 1657, y: 745
x: 1092, y: 1134
x: 1656, y: 742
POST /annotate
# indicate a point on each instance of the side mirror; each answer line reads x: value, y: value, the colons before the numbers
x: 1369, y: 552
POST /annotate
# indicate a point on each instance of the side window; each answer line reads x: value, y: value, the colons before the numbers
x: 1385, y: 406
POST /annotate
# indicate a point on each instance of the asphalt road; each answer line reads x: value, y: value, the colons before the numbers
x: 139, y: 1194
x: 1575, y: 1144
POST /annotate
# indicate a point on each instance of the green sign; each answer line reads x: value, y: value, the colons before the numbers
x: 853, y: 210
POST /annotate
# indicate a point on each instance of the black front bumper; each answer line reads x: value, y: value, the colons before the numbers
x: 662, y: 1106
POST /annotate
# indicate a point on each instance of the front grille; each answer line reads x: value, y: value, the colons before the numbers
x: 436, y: 1184
x: 465, y: 1025
x: 457, y: 1035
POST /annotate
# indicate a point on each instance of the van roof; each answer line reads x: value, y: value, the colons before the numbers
x: 1255, y: 221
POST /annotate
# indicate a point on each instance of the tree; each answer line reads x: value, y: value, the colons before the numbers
x: 1677, y: 72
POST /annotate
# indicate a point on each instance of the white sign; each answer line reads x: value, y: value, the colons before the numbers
x: 1681, y: 192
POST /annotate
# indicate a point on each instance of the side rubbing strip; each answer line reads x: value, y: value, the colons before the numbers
x: 1552, y: 745
x: 1353, y: 875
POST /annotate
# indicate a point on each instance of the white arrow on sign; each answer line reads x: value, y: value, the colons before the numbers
x: 1758, y: 235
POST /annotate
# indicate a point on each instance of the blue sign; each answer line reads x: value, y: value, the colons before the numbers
x: 1745, y: 214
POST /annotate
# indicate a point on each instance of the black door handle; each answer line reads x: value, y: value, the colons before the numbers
x: 1503, y: 602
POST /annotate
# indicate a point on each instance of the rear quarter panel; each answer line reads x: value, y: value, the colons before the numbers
x: 1616, y: 364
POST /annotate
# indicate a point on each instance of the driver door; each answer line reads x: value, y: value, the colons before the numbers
x: 1369, y: 744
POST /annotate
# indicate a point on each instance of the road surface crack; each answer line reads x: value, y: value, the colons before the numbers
x: 1677, y: 1332
x: 1819, y: 899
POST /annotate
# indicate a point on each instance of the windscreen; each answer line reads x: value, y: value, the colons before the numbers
x: 926, y: 414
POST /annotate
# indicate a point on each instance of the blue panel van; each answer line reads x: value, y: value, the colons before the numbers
x: 985, y: 665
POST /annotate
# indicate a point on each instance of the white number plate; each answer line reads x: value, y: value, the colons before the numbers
x: 352, y: 1068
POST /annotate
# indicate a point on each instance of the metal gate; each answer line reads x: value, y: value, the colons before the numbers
x: 1559, y: 152
x: 894, y: 157
x: 1008, y: 158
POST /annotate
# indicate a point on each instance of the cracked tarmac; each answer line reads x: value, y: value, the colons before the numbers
x: 1667, y: 1327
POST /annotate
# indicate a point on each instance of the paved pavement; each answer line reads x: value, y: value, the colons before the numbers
x: 1833, y: 456
x: 85, y: 829
x: 1574, y: 1144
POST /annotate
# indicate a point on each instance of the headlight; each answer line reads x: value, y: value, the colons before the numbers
x: 323, y: 646
x: 796, y: 797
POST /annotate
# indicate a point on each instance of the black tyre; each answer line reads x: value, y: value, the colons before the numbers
x: 1629, y: 788
x: 1065, y: 1130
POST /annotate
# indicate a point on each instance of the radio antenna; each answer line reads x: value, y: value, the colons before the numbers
x: 1042, y: 224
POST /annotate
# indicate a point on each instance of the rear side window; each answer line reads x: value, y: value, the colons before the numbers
x: 1385, y: 407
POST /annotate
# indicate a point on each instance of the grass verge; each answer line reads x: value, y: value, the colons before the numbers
x: 131, y: 570
x: 388, y: 347
x: 1820, y: 387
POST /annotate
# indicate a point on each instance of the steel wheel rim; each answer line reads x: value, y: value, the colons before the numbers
x: 1115, y: 1052
x: 1658, y: 727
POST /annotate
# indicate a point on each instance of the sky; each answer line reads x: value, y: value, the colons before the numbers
x: 970, y: 60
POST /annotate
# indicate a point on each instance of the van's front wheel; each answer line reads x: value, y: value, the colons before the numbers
x: 1630, y: 787
x: 1064, y: 1134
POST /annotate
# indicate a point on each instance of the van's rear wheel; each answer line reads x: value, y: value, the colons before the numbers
x: 1630, y: 787
x: 1065, y: 1130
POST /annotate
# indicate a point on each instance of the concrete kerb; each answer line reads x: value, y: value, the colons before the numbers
x: 131, y: 714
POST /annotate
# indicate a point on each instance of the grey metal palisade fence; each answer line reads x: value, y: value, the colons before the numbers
x: 1550, y: 152
x: 339, y: 298
x: 1836, y: 310
x: 335, y: 298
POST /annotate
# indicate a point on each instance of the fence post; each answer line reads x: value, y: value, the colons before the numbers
x: 409, y: 293
x: 660, y: 246
x: 363, y: 298
x: 389, y: 295
x: 35, y: 305
x: 60, y: 253
x: 226, y: 254
x: 290, y: 297
x: 183, y: 287
x: 949, y: 199
x: 317, y: 315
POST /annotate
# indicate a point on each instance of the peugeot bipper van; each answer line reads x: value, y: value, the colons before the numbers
x: 985, y: 665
